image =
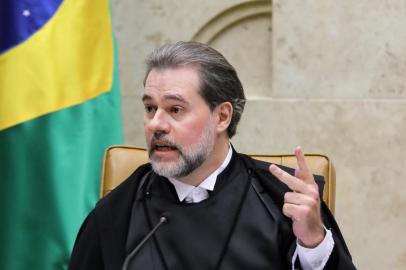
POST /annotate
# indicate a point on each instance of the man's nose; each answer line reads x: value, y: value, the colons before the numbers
x: 159, y: 122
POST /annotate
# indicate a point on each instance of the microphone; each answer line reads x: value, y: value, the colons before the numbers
x: 163, y: 219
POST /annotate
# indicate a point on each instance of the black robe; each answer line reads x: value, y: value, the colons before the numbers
x: 240, y: 226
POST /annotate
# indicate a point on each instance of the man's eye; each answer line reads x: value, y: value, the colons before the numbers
x: 149, y: 109
x: 176, y: 110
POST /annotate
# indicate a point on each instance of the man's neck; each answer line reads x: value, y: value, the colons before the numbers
x: 211, y: 164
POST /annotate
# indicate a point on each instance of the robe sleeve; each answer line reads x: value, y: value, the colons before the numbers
x: 340, y: 258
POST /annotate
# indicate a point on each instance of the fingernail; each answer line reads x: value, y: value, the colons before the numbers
x: 298, y: 149
x: 273, y: 167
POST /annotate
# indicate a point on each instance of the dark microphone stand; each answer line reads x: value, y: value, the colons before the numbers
x: 163, y: 219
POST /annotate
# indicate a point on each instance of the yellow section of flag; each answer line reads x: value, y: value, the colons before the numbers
x: 68, y: 61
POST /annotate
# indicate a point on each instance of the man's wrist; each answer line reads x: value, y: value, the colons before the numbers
x: 315, y: 258
x: 314, y: 240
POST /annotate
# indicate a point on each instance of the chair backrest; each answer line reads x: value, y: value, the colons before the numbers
x: 120, y: 161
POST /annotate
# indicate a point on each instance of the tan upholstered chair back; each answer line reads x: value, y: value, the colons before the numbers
x: 120, y: 161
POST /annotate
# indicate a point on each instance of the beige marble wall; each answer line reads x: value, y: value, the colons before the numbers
x: 329, y: 75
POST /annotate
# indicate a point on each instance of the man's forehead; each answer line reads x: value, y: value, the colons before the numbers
x: 181, y: 83
x: 182, y: 75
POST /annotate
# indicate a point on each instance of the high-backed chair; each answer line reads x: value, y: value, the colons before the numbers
x: 120, y: 161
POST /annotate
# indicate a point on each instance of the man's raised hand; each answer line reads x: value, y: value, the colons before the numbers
x: 302, y: 205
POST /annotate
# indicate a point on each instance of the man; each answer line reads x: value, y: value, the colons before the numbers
x: 225, y: 210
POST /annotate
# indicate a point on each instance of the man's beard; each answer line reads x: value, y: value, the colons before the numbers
x: 190, y: 158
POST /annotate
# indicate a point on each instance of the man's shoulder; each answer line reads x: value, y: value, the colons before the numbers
x: 261, y: 169
x: 261, y: 166
x: 124, y: 193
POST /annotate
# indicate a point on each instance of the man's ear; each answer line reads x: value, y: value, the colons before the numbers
x: 224, y: 113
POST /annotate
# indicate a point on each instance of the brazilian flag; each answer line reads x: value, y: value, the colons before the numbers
x: 59, y: 110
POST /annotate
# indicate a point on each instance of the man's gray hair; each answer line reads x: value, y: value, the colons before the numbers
x: 218, y: 79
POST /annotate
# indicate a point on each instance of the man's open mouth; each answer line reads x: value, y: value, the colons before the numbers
x: 163, y: 146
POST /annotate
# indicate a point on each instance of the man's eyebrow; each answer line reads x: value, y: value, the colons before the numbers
x: 146, y: 97
x: 175, y: 97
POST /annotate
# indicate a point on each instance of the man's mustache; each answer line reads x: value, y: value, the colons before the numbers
x: 160, y: 138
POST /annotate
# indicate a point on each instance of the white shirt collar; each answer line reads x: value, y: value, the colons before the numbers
x: 207, y: 184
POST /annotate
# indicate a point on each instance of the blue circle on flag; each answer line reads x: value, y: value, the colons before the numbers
x: 20, y: 19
